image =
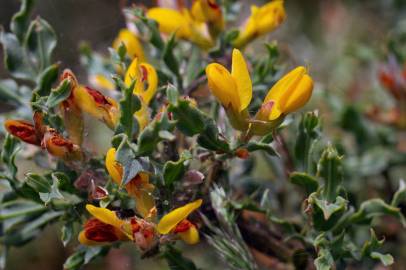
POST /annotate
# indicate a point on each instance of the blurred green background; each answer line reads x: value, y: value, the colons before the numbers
x: 342, y: 42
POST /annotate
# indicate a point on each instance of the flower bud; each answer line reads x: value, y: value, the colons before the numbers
x: 23, y: 130
x: 208, y: 11
x: 263, y: 20
x: 131, y: 42
x: 96, y: 104
x: 59, y: 146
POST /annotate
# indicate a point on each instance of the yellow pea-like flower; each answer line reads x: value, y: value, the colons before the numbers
x: 96, y: 104
x: 208, y: 11
x: 114, y: 168
x: 105, y: 215
x: 182, y: 24
x: 132, y: 44
x: 263, y: 20
x: 176, y: 216
x: 146, y: 79
x: 290, y: 93
x: 233, y: 90
x: 139, y: 187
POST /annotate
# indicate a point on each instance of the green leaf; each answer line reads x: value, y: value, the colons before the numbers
x: 400, y: 195
x: 369, y: 249
x: 176, y: 261
x: 174, y: 170
x: 54, y: 193
x: 329, y: 209
x: 374, y: 208
x: 132, y: 168
x: 152, y: 134
x: 66, y: 233
x: 59, y: 94
x: 211, y: 139
x: 83, y: 256
x: 20, y: 207
x: 46, y: 79
x: 8, y: 155
x: 259, y: 146
x: 75, y: 261
x: 190, y: 120
x: 40, y: 43
x: 304, y: 180
x: 20, y: 21
x: 324, y: 260
x: 385, y: 259
x: 129, y: 104
x: 330, y: 169
x: 9, y: 93
x: 169, y: 57
x: 152, y: 25
x: 308, y: 134
x: 38, y: 183
x: 172, y: 94
x: 15, y: 59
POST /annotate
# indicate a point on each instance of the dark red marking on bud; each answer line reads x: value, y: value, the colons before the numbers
x: 23, y: 130
x: 144, y: 72
x: 97, y: 231
x: 183, y: 226
x: 98, y: 97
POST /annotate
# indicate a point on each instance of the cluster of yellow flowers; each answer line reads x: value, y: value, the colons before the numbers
x: 234, y: 91
x: 201, y: 25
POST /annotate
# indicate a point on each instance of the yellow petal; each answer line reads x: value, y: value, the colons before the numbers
x: 282, y: 90
x: 301, y: 95
x: 133, y: 73
x: 96, y: 104
x: 142, y: 116
x: 131, y: 42
x: 170, y: 21
x: 101, y: 81
x: 239, y: 72
x: 190, y: 236
x: 170, y: 220
x: 114, y: 168
x: 269, y: 16
x: 105, y: 215
x: 223, y: 86
x: 151, y: 78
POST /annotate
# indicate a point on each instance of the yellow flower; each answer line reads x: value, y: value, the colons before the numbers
x: 104, y: 228
x: 182, y: 24
x: 262, y: 20
x: 146, y: 79
x: 176, y: 222
x: 234, y: 91
x: 96, y: 104
x: 145, y: 88
x: 131, y: 42
x: 290, y: 93
x: 208, y: 11
x: 139, y: 187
